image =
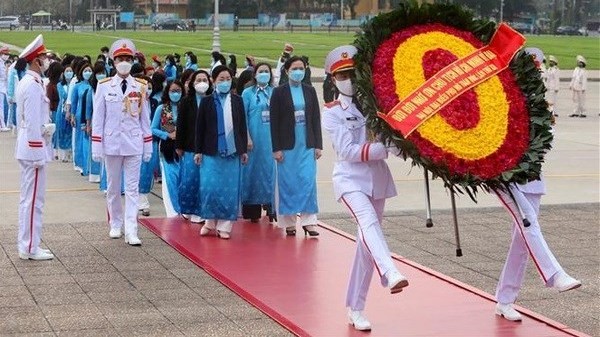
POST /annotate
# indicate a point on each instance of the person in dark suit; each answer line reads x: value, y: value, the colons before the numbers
x: 296, y: 143
x: 221, y: 145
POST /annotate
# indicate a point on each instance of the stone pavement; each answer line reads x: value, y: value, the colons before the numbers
x: 98, y: 286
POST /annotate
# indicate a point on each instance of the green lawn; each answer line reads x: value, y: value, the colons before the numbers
x: 267, y: 45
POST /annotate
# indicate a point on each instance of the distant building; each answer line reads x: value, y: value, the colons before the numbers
x: 179, y: 7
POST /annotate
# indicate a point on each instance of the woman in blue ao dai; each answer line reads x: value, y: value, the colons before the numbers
x: 64, y: 129
x: 94, y: 168
x: 297, y: 142
x: 258, y: 176
x: 164, y: 127
x: 221, y: 146
x: 80, y: 105
x: 199, y: 87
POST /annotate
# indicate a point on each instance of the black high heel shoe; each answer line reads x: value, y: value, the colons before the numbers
x: 290, y: 231
x: 310, y: 232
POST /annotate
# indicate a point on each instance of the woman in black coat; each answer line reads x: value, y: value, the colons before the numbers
x: 198, y: 88
x: 221, y: 146
x: 296, y: 140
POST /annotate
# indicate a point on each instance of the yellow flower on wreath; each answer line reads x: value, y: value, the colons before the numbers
x: 471, y: 144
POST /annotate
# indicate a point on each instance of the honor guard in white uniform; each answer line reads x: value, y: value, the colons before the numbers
x: 523, y: 202
x: 579, y: 85
x: 552, y: 83
x: 33, y: 140
x: 362, y: 181
x: 121, y: 137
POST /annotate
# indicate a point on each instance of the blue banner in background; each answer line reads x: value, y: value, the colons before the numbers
x: 127, y: 17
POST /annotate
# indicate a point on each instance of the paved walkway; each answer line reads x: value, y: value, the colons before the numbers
x: 98, y: 286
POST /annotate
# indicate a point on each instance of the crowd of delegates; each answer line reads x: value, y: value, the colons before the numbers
x: 224, y: 138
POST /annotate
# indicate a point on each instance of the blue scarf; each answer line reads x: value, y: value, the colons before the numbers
x: 221, y: 138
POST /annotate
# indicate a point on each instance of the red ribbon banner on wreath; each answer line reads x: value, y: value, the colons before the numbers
x: 454, y: 80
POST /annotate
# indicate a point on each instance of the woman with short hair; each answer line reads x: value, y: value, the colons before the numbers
x: 221, y: 145
x: 296, y: 139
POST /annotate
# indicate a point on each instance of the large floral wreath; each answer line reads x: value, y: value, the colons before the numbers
x: 493, y: 134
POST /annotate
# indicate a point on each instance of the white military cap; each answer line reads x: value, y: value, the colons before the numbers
x: 340, y: 59
x: 34, y: 49
x: 122, y: 47
x: 537, y: 53
x: 580, y: 59
x: 553, y: 58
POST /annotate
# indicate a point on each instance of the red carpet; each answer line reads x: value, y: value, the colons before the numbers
x: 301, y: 283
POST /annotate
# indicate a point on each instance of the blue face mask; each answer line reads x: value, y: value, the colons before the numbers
x: 86, y: 75
x: 297, y: 75
x: 100, y: 77
x: 174, y: 96
x: 263, y: 78
x: 68, y: 75
x: 224, y: 87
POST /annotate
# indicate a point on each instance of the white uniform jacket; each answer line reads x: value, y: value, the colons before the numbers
x: 121, y: 122
x: 360, y: 165
x: 33, y: 111
x: 579, y: 79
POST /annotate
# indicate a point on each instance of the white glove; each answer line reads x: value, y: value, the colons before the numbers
x: 39, y: 163
x: 147, y: 157
x: 97, y: 157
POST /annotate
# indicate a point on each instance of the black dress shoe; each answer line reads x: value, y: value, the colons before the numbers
x: 309, y: 232
x: 290, y: 231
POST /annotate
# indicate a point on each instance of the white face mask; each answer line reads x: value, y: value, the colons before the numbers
x: 201, y: 87
x: 4, y: 57
x: 346, y: 87
x: 123, y: 68
x: 45, y: 65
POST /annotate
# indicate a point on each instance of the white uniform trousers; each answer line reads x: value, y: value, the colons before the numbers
x: 130, y: 165
x: 371, y: 247
x: 551, y: 96
x: 306, y: 219
x: 525, y: 241
x: 579, y: 99
x: 33, y: 194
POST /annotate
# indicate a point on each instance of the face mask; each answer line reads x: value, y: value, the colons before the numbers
x: 263, y: 78
x: 100, y: 77
x: 168, y: 63
x: 136, y: 61
x: 123, y: 67
x: 68, y: 75
x: 201, y: 87
x: 224, y: 87
x: 4, y: 57
x: 154, y: 64
x: 174, y: 96
x: 245, y: 64
x: 148, y: 92
x: 86, y: 75
x: 45, y: 65
x: 297, y: 75
x: 346, y: 87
